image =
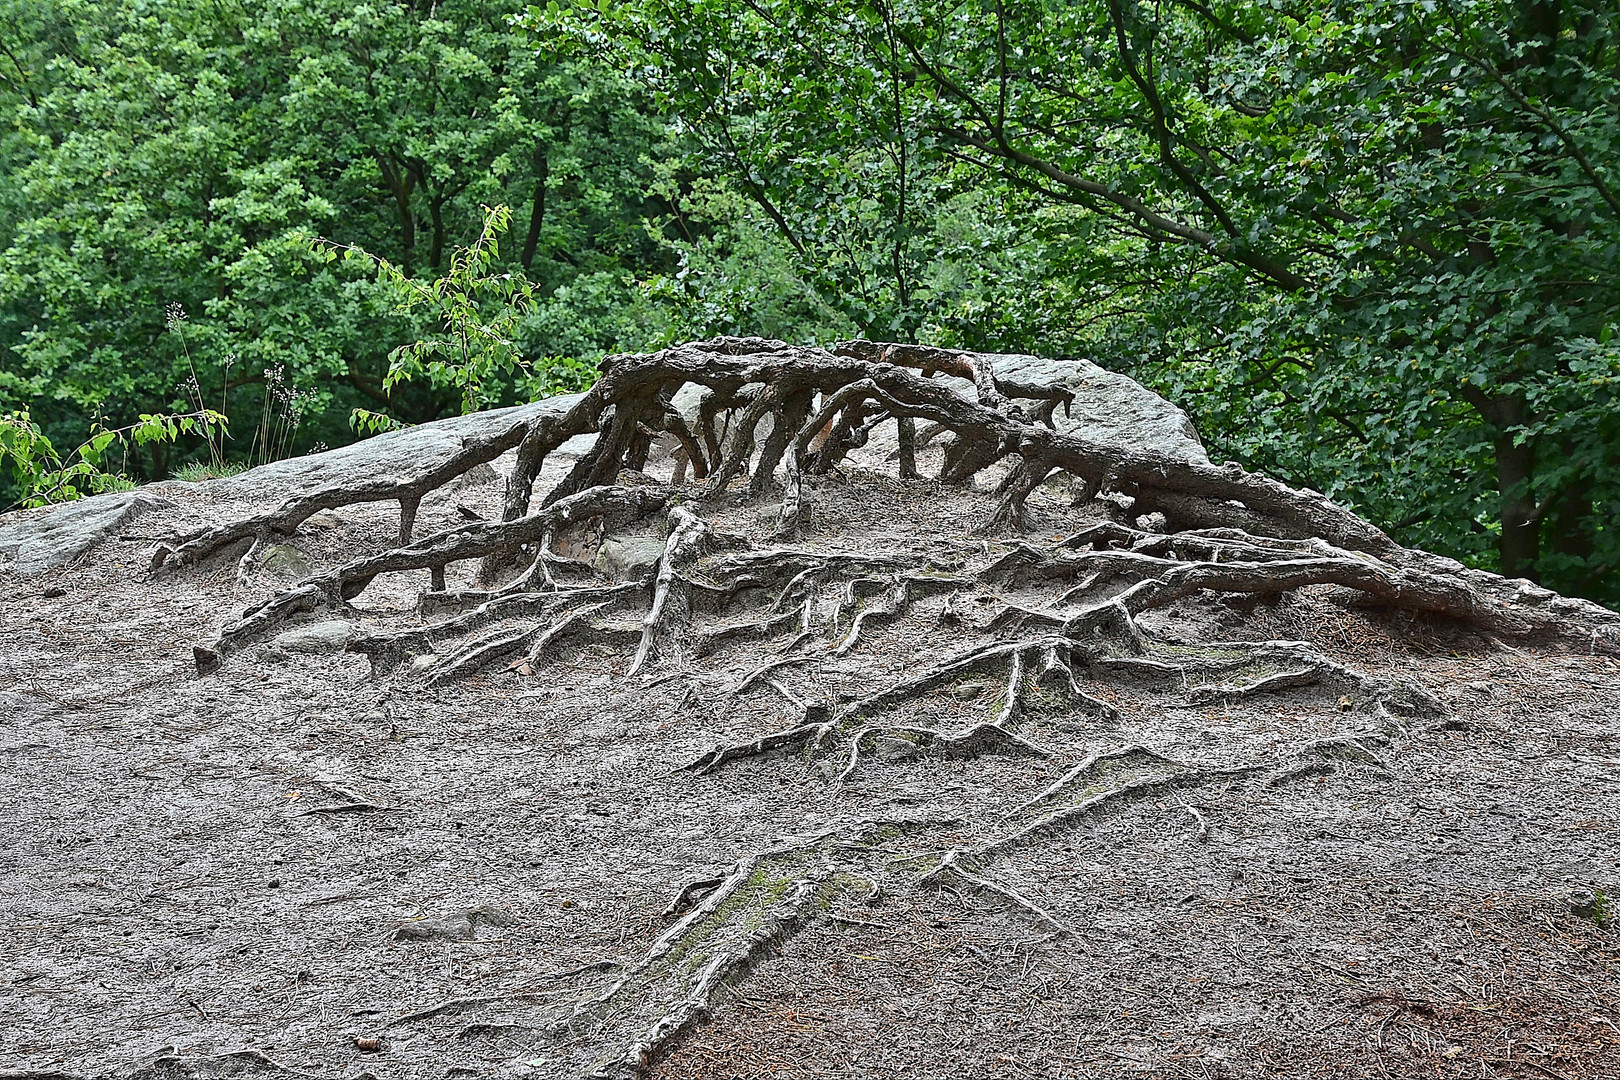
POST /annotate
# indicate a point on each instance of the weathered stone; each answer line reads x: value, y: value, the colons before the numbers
x: 286, y: 562
x: 893, y: 748
x: 1590, y: 904
x: 477, y: 476
x: 456, y: 926
x: 403, y: 455
x: 968, y: 691
x: 1107, y: 407
x: 35, y: 541
x: 321, y: 637
x: 628, y: 558
x: 480, y: 475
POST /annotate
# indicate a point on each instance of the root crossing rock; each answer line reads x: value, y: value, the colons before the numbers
x: 828, y: 685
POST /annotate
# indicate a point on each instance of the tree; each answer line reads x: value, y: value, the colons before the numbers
x: 170, y: 153
x: 1369, y: 243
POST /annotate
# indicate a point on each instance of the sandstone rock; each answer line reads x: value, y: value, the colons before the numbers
x: 475, y: 477
x: 36, y: 541
x: 628, y: 558
x: 1107, y: 407
x: 286, y: 562
x: 322, y: 637
x: 405, y: 454
x: 892, y: 748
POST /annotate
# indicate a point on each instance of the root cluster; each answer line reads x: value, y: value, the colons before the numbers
x: 1042, y: 632
x: 1230, y: 530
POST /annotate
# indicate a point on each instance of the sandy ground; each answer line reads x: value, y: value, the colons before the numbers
x: 180, y: 897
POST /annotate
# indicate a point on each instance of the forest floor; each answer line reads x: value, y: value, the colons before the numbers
x: 290, y: 868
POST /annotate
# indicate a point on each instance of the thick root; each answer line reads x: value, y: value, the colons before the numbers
x: 408, y: 490
x: 689, y: 537
x: 1238, y: 532
x: 740, y: 919
x: 338, y: 586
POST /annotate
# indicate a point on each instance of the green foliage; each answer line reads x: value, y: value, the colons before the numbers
x: 171, y: 153
x: 1368, y: 244
x: 195, y: 472
x: 477, y: 307
x: 558, y: 375
x: 483, y: 310
x: 366, y: 422
x: 43, y: 476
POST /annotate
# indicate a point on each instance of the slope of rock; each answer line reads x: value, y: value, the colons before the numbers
x: 918, y: 789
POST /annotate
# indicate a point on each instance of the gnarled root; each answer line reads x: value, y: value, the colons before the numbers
x: 689, y: 537
x: 407, y: 485
x: 388, y: 651
x: 952, y: 864
x: 1221, y: 511
x: 336, y: 587
x: 818, y: 730
x: 740, y: 919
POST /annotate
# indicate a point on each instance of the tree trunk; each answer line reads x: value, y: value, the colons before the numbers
x: 401, y: 181
x: 436, y: 213
x: 1570, y: 525
x: 537, y: 214
x: 1515, y: 466
x: 1521, y: 536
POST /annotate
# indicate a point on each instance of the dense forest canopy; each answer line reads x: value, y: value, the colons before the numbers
x: 1370, y: 246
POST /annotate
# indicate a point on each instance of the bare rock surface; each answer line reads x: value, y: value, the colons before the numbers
x: 327, y: 636
x: 402, y: 455
x: 1105, y: 405
x: 628, y: 558
x: 890, y: 797
x: 34, y: 541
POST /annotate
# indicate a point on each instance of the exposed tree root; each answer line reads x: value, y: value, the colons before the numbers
x: 983, y: 651
x: 1096, y: 766
x: 1105, y: 780
x: 739, y: 920
x: 689, y: 893
x: 338, y: 586
x: 1308, y: 541
x: 760, y: 672
x: 387, y: 651
x: 980, y: 738
x: 408, y: 490
x: 994, y: 735
x: 1279, y: 680
x: 811, y: 735
x: 534, y: 639
x: 952, y: 864
x: 688, y: 538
